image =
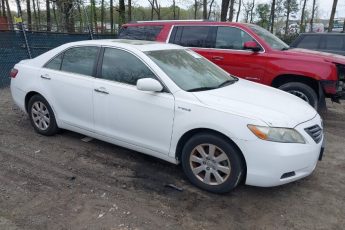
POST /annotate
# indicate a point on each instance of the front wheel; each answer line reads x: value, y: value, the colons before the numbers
x: 212, y: 163
x: 302, y: 91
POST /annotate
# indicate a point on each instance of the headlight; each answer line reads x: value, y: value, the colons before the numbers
x: 284, y: 135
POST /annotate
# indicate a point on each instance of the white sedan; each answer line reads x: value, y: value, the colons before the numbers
x: 169, y: 102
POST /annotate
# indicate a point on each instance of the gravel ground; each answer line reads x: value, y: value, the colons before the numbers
x: 61, y: 182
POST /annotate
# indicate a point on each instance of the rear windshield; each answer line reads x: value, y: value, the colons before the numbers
x: 148, y: 33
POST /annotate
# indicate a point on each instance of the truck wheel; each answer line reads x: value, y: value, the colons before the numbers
x: 302, y: 91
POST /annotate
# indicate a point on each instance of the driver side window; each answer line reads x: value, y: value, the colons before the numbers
x: 121, y: 66
x: 231, y: 38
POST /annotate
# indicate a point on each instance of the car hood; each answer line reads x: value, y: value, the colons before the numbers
x: 330, y: 57
x: 252, y: 100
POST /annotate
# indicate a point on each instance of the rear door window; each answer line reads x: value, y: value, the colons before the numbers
x: 148, y: 33
x: 191, y: 36
x: 309, y: 42
x: 231, y: 38
x: 80, y: 60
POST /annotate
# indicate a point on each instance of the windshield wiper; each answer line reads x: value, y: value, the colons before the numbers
x: 200, y: 89
x: 285, y: 48
x: 228, y: 82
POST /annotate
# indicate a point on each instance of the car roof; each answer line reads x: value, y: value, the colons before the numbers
x: 183, y: 22
x: 325, y: 33
x: 129, y: 44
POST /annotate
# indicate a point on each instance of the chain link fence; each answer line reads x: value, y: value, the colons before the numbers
x: 13, y: 47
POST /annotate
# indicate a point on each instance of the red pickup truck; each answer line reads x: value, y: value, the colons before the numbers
x: 251, y: 52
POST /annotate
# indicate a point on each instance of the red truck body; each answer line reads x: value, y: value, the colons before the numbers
x: 322, y: 72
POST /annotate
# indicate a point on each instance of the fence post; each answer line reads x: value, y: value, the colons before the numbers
x: 20, y: 22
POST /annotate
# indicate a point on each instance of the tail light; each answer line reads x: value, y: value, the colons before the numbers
x: 13, y: 73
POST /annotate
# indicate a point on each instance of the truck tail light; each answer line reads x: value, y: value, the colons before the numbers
x: 13, y: 73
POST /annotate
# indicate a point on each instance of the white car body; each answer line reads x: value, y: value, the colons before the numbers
x: 154, y: 122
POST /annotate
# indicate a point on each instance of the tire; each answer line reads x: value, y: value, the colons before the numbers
x: 302, y: 91
x: 229, y: 165
x: 41, y: 115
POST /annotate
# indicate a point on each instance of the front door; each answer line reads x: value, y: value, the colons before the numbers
x: 123, y: 112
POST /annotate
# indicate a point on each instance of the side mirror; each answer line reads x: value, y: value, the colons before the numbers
x: 251, y: 45
x: 149, y: 84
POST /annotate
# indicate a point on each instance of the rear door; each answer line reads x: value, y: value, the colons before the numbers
x: 68, y: 85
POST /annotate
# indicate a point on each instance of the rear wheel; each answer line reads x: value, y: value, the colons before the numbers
x: 302, y: 91
x: 212, y: 163
x: 42, y: 116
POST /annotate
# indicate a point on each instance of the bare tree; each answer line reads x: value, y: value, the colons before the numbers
x: 49, y: 24
x: 312, y: 16
x: 224, y: 10
x: 28, y: 12
x: 122, y: 9
x: 155, y: 8
x: 272, y: 14
x: 174, y: 9
x: 239, y: 10
x: 94, y: 14
x: 9, y: 14
x: 204, y: 11
x: 38, y: 13
x: 231, y: 10
x: 252, y: 11
x: 3, y: 8
x: 248, y: 10
x: 129, y: 11
x: 66, y: 7
x: 102, y: 16
x: 35, y: 14
x: 331, y: 19
x: 55, y: 15
x: 112, y: 16
x: 210, y: 9
x: 302, y: 16
x: 344, y: 26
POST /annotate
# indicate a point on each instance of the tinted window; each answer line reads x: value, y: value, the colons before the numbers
x: 148, y: 33
x: 55, y: 63
x: 121, y: 66
x: 191, y: 36
x: 334, y: 42
x: 309, y: 42
x: 80, y: 60
x: 231, y: 38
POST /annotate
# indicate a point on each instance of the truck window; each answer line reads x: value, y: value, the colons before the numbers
x: 148, y: 33
x: 191, y: 36
x: 231, y: 38
x: 334, y: 42
x: 309, y: 42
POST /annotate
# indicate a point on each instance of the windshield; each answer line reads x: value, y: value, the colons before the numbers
x: 189, y: 70
x: 269, y: 38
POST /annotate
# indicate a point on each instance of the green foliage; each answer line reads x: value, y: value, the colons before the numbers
x: 263, y: 12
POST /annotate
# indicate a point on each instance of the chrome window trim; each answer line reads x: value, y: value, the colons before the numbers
x: 247, y: 51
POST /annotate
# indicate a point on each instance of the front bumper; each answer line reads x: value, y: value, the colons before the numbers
x: 271, y: 163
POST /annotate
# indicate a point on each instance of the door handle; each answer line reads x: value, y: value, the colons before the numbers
x: 101, y: 90
x: 217, y: 58
x: 46, y: 77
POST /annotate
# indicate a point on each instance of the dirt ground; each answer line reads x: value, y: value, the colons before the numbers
x: 61, y: 182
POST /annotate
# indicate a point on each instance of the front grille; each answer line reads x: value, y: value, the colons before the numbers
x: 315, y: 132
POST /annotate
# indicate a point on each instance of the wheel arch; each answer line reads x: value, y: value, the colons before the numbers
x: 187, y: 135
x: 28, y: 96
x: 286, y: 78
